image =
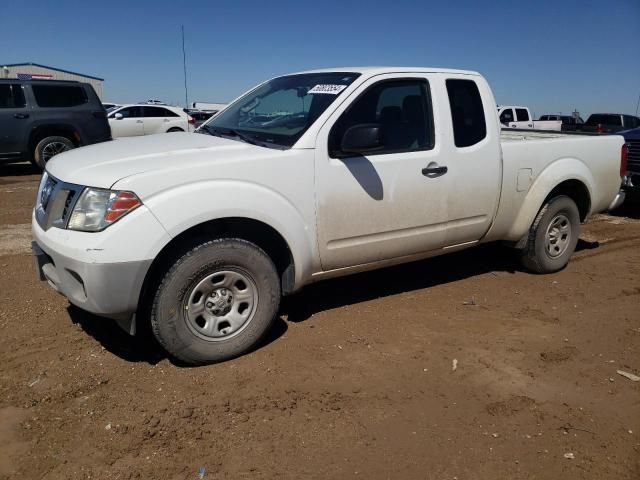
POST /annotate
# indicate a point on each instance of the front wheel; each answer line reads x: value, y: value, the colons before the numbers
x: 216, y: 301
x: 553, y: 236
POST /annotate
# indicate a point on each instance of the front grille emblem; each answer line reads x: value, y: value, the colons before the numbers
x: 46, y: 194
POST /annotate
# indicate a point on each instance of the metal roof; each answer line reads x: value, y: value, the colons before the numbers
x: 50, y: 68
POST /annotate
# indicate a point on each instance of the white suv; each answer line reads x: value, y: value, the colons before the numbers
x: 135, y: 120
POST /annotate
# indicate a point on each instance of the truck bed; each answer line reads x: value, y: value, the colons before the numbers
x: 513, y: 135
x: 532, y: 160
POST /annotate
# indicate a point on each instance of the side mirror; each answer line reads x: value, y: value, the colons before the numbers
x: 118, y: 116
x: 363, y: 138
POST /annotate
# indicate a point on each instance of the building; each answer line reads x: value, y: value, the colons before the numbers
x: 35, y: 71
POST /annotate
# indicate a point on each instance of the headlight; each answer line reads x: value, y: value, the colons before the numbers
x: 96, y: 209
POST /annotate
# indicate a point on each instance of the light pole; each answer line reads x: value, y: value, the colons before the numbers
x: 184, y: 66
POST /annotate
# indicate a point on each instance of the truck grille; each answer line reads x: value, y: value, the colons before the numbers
x: 633, y: 160
x: 55, y: 202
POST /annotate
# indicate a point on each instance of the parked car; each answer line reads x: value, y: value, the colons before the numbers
x: 632, y: 178
x: 569, y: 123
x: 519, y: 117
x: 135, y: 120
x: 108, y: 105
x: 199, y: 116
x: 154, y: 101
x: 41, y: 118
x: 206, y: 232
x: 610, y: 122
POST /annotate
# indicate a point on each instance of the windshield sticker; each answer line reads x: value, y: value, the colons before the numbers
x: 327, y: 89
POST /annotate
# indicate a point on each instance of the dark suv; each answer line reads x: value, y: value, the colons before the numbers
x: 41, y: 118
x: 610, y: 122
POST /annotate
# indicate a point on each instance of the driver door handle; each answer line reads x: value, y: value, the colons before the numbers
x: 434, y: 171
x: 139, y: 121
x: 21, y: 115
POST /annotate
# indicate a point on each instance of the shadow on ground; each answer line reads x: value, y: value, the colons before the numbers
x: 326, y: 295
x: 403, y: 278
x: 630, y: 208
x: 18, y: 169
x: 142, y: 347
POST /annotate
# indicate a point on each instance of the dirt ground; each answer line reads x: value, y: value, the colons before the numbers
x: 356, y: 379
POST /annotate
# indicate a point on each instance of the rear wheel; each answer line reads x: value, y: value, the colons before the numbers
x: 216, y: 301
x: 553, y: 236
x: 49, y: 147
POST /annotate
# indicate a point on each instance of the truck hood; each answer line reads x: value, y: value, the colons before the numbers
x: 103, y: 164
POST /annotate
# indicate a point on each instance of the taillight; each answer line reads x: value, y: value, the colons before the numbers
x: 599, y: 129
x: 191, y: 120
x: 624, y: 155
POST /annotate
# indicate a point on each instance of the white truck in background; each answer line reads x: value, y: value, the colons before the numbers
x: 307, y: 176
x: 512, y: 116
x: 208, y: 106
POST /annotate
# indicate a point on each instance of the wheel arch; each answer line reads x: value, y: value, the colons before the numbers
x: 570, y: 177
x: 41, y: 132
x: 257, y: 232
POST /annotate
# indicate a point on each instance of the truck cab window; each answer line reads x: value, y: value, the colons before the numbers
x: 402, y: 109
x: 506, y: 116
x: 467, y: 113
x: 523, y: 115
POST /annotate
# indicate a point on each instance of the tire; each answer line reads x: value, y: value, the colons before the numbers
x: 175, y: 129
x: 196, y: 321
x: 553, y: 236
x: 48, y: 147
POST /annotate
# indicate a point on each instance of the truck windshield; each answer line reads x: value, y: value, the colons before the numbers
x: 277, y: 113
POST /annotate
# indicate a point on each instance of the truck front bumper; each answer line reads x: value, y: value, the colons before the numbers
x: 110, y: 290
x: 101, y: 272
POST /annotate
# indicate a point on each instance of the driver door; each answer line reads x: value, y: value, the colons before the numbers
x: 382, y: 204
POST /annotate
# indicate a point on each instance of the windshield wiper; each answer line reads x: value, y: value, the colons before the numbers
x: 230, y: 132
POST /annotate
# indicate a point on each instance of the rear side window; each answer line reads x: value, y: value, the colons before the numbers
x: 522, y: 114
x: 11, y: 96
x: 158, y: 112
x: 467, y: 113
x: 603, y: 119
x: 129, y: 112
x: 59, y: 95
x: 631, y: 121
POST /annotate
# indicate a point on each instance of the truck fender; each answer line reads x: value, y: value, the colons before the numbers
x: 553, y: 175
x: 181, y: 208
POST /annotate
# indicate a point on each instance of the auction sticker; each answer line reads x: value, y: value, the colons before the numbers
x: 327, y: 89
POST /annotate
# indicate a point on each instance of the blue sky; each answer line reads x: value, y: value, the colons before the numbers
x: 552, y: 55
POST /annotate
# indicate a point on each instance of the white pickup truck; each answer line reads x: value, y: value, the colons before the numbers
x: 307, y: 176
x: 512, y: 116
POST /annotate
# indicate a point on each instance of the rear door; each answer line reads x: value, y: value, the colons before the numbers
x: 130, y: 125
x: 161, y: 120
x: 473, y: 158
x: 14, y: 120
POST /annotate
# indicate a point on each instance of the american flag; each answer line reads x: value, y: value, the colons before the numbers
x: 34, y: 76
